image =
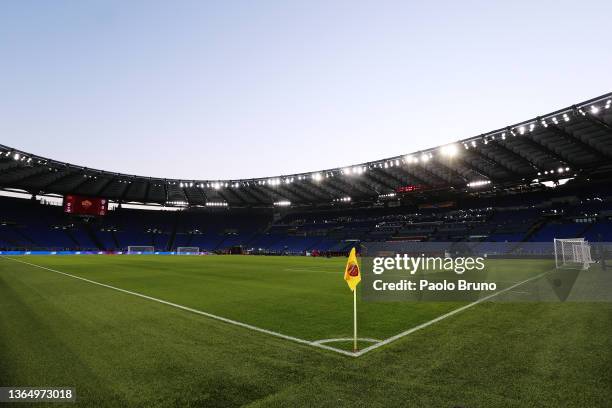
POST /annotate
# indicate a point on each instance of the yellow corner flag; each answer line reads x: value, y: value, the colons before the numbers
x: 352, y: 275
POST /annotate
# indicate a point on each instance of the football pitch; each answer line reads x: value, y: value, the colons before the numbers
x: 275, y: 331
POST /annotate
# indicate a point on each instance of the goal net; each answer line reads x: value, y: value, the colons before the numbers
x: 140, y: 249
x: 188, y: 251
x: 572, y: 253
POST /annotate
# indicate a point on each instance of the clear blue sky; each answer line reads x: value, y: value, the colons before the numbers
x: 236, y: 89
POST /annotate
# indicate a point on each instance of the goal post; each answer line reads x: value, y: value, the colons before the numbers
x: 140, y: 249
x: 188, y: 251
x: 572, y: 253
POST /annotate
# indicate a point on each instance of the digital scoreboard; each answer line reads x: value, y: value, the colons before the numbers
x: 79, y: 205
x: 409, y: 188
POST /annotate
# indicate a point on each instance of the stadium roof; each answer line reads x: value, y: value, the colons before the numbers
x: 573, y: 141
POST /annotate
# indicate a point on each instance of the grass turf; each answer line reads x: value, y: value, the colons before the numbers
x: 120, y: 350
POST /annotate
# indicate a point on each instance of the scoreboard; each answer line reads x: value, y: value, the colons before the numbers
x: 79, y: 205
x: 410, y: 188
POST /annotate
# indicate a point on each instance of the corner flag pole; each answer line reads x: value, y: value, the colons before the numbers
x: 352, y: 276
x: 355, y: 320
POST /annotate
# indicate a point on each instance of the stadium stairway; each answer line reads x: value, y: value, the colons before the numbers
x: 115, y: 240
x: 175, y: 225
x: 92, y: 236
x: 535, y: 228
x: 72, y: 238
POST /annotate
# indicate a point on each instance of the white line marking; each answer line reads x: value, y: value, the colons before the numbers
x: 346, y: 339
x: 317, y: 343
x: 189, y: 309
x: 444, y: 316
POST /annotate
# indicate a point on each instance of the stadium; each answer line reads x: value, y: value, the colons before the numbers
x: 144, y: 291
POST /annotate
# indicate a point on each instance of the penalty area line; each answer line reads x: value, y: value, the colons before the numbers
x: 196, y: 311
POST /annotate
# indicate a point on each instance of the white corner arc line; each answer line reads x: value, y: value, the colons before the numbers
x: 444, y: 316
x: 366, y: 339
x: 189, y: 309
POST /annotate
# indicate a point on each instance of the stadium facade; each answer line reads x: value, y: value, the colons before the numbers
x: 545, y: 177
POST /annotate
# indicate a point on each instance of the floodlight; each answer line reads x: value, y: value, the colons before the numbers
x: 449, y: 150
x: 479, y: 183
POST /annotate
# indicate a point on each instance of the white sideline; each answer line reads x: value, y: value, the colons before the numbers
x: 189, y: 309
x: 317, y: 343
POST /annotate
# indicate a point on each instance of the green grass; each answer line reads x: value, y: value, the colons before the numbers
x: 121, y: 350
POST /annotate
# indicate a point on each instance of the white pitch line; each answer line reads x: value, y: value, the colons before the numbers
x: 189, y: 309
x: 291, y: 338
x: 444, y: 316
x: 368, y: 340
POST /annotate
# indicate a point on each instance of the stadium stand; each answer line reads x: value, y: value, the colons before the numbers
x: 31, y: 225
x: 544, y: 178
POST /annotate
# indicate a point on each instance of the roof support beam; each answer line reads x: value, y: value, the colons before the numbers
x: 541, y: 147
x: 105, y: 186
x: 348, y: 188
x: 147, y: 189
x: 14, y: 174
x: 246, y: 191
x: 507, y: 150
x: 566, y: 135
x: 55, y: 180
x: 363, y: 183
x: 437, y: 180
x: 224, y: 195
x: 479, y: 170
x: 127, y: 189
x: 236, y: 192
x: 80, y: 184
x: 261, y: 196
x: 381, y: 177
x: 411, y: 174
x: 494, y: 163
x: 165, y: 184
x: 447, y: 164
x: 303, y: 197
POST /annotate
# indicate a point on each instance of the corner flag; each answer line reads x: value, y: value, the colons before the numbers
x: 352, y: 275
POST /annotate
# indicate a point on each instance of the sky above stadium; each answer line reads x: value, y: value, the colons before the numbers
x: 221, y: 90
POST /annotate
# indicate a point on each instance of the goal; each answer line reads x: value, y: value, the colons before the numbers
x: 188, y: 251
x: 140, y: 249
x: 572, y: 253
